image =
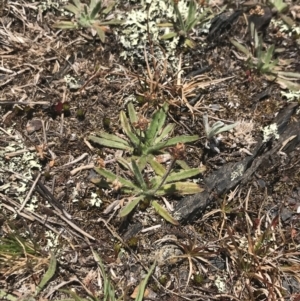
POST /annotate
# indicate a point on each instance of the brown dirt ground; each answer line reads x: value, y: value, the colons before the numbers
x: 34, y: 60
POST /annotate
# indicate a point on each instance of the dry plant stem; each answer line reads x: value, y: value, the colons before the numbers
x: 19, y: 152
x: 53, y: 184
x: 62, y: 215
x: 29, y: 103
x: 29, y: 193
x: 64, y: 218
x: 62, y: 124
x: 19, y: 176
x: 62, y: 284
x: 76, y: 170
x: 89, y: 166
x: 219, y: 119
x: 150, y: 228
x: 8, y: 134
x: 179, y: 71
x: 148, y: 70
x: 32, y: 216
x: 45, y: 193
x: 88, y: 144
x: 75, y: 227
x: 20, y: 213
x: 44, y: 132
x: 76, y: 160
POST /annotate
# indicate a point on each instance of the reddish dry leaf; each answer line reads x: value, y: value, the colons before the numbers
x: 135, y: 293
x: 293, y: 232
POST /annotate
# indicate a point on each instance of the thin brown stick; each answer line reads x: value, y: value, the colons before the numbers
x: 76, y: 170
x: 29, y: 193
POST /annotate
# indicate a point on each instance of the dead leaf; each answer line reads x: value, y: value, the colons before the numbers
x: 295, y: 11
x: 136, y: 290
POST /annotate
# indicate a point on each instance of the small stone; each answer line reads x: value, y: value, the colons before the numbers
x: 33, y: 125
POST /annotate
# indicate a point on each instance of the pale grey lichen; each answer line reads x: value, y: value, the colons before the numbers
x: 270, y: 131
x: 95, y: 200
x: 238, y: 172
x: 52, y: 4
x: 52, y: 241
x: 72, y: 82
x: 17, y: 187
x: 220, y: 283
x: 291, y: 95
x: 134, y: 33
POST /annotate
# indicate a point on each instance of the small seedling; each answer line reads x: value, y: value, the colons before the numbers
x: 80, y: 114
x: 211, y: 132
x: 144, y: 137
x: 93, y: 17
x: 192, y: 252
x: 280, y: 5
x: 164, y: 182
x: 264, y: 62
x: 183, y: 26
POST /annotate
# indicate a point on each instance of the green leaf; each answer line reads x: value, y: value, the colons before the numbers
x: 168, y: 36
x: 124, y: 163
x: 77, y: 3
x: 112, y: 137
x: 138, y: 175
x: 111, y: 22
x: 128, y: 130
x: 181, y: 188
x: 288, y: 74
x: 190, y: 43
x: 182, y: 164
x: 164, y: 213
x: 173, y: 141
x: 240, y: 47
x: 164, y: 24
x: 288, y: 84
x: 184, y: 174
x: 157, y: 167
x: 109, y: 8
x: 143, y: 284
x: 156, y: 124
x: 86, y: 13
x: 280, y: 5
x: 111, y: 177
x: 269, y: 54
x: 225, y: 128
x: 130, y: 206
x: 100, y: 33
x: 72, y: 8
x: 132, y: 113
x: 6, y: 296
x: 191, y: 19
x: 108, y: 289
x: 164, y: 134
x: 65, y: 25
x: 48, y: 275
x: 96, y: 8
x: 179, y: 16
x: 110, y: 143
x: 73, y: 294
x: 141, y: 162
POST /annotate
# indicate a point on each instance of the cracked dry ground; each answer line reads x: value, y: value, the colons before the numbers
x: 244, y: 246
